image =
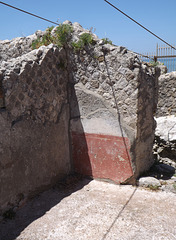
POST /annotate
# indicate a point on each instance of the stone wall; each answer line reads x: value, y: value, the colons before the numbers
x: 17, y: 47
x: 167, y: 95
x: 113, y: 76
x: 34, y: 141
x: 165, y: 140
x: 89, y: 111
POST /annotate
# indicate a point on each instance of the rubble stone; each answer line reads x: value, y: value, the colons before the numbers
x: 167, y: 95
x: 149, y: 181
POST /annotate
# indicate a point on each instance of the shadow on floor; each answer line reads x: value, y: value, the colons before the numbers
x: 161, y: 171
x: 39, y: 205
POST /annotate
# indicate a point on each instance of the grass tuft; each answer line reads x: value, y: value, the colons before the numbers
x: 60, y: 38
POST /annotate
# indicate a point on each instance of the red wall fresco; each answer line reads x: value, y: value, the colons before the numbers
x: 102, y: 156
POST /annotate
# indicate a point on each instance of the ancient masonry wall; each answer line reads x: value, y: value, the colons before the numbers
x: 167, y: 95
x: 114, y: 96
x: 61, y: 111
x: 17, y: 47
x: 34, y: 141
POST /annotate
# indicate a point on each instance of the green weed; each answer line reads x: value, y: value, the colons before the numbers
x: 77, y: 46
x: 45, y: 40
x: 85, y: 39
x: 36, y: 43
x: 153, y: 188
x: 154, y: 64
x: 63, y: 34
x: 106, y: 41
x: 60, y: 38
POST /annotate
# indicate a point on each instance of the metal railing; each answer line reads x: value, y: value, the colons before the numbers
x: 165, y: 55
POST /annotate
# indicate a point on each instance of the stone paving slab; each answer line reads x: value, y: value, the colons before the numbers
x: 95, y: 210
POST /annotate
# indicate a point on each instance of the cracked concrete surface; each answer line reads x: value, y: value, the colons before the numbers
x: 94, y: 210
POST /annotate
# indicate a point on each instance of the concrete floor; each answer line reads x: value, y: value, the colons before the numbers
x: 94, y: 210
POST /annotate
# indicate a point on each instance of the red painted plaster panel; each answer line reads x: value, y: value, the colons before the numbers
x: 102, y: 156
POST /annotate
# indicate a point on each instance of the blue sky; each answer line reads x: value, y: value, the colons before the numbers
x: 158, y: 16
